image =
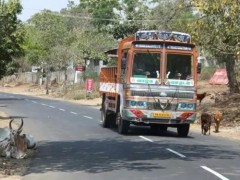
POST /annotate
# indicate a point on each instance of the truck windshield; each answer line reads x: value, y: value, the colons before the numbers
x: 146, y: 65
x: 180, y: 67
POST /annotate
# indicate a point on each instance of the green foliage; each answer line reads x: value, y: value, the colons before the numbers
x: 11, y: 35
x: 171, y: 15
x: 45, y: 30
x: 79, y: 96
x: 102, y: 12
x: 78, y: 92
x: 217, y: 30
x: 207, y: 73
x: 92, y: 44
x: 90, y: 74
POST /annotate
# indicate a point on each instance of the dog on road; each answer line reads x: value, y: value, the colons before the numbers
x: 218, y: 117
x: 206, y: 121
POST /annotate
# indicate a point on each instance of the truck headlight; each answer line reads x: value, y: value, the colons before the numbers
x: 186, y: 106
x: 137, y: 104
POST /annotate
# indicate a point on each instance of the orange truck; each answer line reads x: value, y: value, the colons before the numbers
x: 153, y: 84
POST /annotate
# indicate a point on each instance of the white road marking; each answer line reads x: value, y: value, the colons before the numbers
x: 146, y: 138
x: 175, y: 152
x: 215, y: 173
x: 52, y: 106
x: 43, y: 104
x: 73, y: 113
x: 62, y: 109
x: 34, y: 102
x: 88, y: 117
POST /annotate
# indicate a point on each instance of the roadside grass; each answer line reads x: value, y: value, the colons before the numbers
x: 78, y: 92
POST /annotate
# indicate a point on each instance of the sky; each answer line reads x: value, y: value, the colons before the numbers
x: 31, y: 7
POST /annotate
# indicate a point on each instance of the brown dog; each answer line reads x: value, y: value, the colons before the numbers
x: 217, y: 116
x: 206, y: 121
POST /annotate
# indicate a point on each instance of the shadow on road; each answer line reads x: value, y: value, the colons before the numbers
x: 147, y: 131
x: 105, y: 155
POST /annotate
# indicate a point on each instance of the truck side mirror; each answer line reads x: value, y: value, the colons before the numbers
x: 123, y: 63
x: 199, y: 68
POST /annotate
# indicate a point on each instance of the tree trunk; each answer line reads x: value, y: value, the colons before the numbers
x: 232, y: 76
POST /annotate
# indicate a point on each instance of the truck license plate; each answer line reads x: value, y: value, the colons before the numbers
x: 162, y: 115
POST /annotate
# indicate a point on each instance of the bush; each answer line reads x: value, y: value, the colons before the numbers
x: 79, y: 96
x: 206, y: 73
x: 90, y: 74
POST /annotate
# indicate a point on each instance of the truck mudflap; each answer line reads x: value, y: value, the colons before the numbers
x: 159, y: 117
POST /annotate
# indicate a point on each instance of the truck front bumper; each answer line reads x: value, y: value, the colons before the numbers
x: 158, y: 117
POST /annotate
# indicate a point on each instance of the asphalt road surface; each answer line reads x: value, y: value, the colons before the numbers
x: 73, y: 145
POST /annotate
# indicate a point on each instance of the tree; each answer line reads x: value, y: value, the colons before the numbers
x: 118, y: 18
x: 172, y: 15
x: 92, y: 44
x: 86, y: 41
x: 218, y: 29
x: 44, y: 31
x: 133, y: 14
x: 102, y: 12
x: 11, y: 35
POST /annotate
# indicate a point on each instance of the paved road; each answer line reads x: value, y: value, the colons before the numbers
x: 73, y: 145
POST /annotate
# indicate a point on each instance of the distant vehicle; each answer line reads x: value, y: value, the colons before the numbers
x: 153, y: 84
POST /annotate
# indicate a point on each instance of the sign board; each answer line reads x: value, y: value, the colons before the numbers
x: 163, y: 35
x: 89, y: 85
x: 80, y: 68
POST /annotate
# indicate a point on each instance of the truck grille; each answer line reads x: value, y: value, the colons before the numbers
x: 186, y: 95
x: 156, y: 106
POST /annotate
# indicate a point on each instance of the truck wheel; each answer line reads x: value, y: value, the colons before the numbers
x: 123, y: 125
x: 183, y: 130
x: 105, y: 117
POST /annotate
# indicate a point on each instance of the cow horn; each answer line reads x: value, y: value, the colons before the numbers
x: 10, y: 123
x: 20, y: 127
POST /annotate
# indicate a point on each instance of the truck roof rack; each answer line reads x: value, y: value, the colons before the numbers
x: 162, y: 36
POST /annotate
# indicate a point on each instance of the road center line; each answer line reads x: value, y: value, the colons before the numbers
x: 175, y: 152
x: 146, y: 138
x: 73, y: 113
x: 34, y: 102
x: 52, y: 106
x: 215, y: 173
x: 62, y: 109
x: 43, y: 104
x: 88, y: 117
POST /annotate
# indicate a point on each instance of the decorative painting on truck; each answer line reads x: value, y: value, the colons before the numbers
x: 153, y: 35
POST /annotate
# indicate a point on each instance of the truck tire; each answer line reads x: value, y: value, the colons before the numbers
x: 183, y: 130
x: 163, y: 128
x: 105, y: 117
x: 123, y: 125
